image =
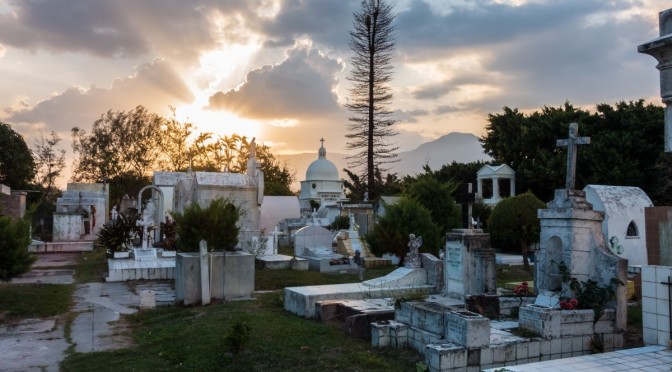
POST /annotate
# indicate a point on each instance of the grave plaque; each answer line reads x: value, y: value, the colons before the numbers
x: 453, y: 266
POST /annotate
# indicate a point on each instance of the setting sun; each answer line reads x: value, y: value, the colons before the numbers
x: 220, y: 123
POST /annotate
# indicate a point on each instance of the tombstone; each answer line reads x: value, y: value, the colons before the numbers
x: 469, y: 264
x: 571, y: 233
x: 309, y: 237
x: 661, y: 49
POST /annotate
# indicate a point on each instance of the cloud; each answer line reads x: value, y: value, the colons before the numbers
x: 154, y: 85
x: 3, y: 50
x: 126, y: 29
x: 409, y: 116
x: 301, y: 86
x: 326, y: 22
x: 483, y: 22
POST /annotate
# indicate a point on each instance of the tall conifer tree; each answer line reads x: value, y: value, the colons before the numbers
x: 372, y: 42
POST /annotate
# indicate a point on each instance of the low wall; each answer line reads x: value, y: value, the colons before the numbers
x: 61, y: 247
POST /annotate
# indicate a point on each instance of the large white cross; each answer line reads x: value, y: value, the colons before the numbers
x: 571, y: 144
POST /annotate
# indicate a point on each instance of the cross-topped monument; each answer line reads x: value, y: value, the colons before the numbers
x: 571, y: 142
x: 466, y: 198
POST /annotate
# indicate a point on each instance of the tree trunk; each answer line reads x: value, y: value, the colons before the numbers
x: 524, y: 250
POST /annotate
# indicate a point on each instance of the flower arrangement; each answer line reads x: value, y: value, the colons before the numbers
x: 570, y: 304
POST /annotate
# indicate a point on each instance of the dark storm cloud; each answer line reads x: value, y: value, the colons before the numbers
x: 482, y: 22
x: 300, y: 86
x: 154, y: 85
x: 124, y: 28
x: 326, y: 22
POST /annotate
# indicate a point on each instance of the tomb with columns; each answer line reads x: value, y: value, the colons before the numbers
x: 495, y: 182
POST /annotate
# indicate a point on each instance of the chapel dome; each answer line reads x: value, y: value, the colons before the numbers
x: 322, y: 169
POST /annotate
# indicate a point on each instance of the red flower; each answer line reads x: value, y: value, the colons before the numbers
x: 563, y: 304
x: 574, y: 302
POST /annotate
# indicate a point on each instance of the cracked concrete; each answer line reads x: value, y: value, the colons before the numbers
x: 40, y: 344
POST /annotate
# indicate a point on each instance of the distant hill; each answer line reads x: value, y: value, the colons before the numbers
x: 459, y: 147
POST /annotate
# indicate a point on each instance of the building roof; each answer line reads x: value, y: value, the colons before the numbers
x: 491, y: 170
x: 618, y: 199
x: 322, y: 169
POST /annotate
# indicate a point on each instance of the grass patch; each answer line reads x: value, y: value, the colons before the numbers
x: 267, y: 280
x: 192, y: 338
x: 513, y: 273
x: 92, y: 266
x: 23, y: 301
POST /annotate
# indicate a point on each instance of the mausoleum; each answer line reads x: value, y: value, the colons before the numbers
x: 623, y: 224
x: 322, y: 185
x: 496, y: 182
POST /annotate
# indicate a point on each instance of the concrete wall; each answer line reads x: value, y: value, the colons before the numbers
x: 14, y: 204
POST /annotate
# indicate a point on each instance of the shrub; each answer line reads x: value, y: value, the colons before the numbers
x: 117, y: 235
x: 238, y: 336
x: 390, y: 234
x: 217, y: 224
x: 513, y: 223
x: 340, y: 223
x: 15, y: 259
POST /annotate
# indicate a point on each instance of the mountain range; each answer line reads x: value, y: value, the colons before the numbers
x: 454, y: 146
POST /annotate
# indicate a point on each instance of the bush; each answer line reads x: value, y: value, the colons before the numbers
x: 117, y: 235
x: 238, y: 336
x: 340, y: 223
x: 390, y: 234
x: 513, y: 223
x: 15, y: 259
x: 217, y: 224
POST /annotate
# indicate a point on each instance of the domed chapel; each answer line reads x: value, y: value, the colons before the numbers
x: 322, y: 184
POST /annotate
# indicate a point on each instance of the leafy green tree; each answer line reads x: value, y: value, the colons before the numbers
x: 390, y: 234
x: 356, y: 188
x: 120, y: 143
x: 17, y: 166
x: 626, y: 145
x: 15, y: 259
x: 438, y: 198
x: 372, y: 42
x: 513, y: 224
x: 216, y: 223
x: 50, y: 162
x: 459, y: 172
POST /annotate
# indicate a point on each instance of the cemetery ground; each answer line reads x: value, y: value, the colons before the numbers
x: 199, y: 338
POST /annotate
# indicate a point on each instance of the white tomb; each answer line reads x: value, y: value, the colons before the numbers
x: 623, y: 224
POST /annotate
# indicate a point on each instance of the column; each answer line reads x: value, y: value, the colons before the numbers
x: 495, y: 189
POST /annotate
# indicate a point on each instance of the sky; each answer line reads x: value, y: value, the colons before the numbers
x: 277, y: 69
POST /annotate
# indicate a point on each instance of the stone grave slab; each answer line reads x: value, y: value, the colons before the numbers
x: 310, y: 237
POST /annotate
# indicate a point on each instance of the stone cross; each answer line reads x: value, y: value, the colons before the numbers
x: 571, y: 142
x: 145, y: 223
x: 466, y: 198
x: 275, y: 234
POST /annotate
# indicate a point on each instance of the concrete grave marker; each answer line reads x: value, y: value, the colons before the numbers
x: 310, y: 237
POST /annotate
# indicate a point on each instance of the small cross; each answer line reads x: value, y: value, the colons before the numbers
x: 466, y: 198
x: 571, y: 144
x: 322, y: 140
